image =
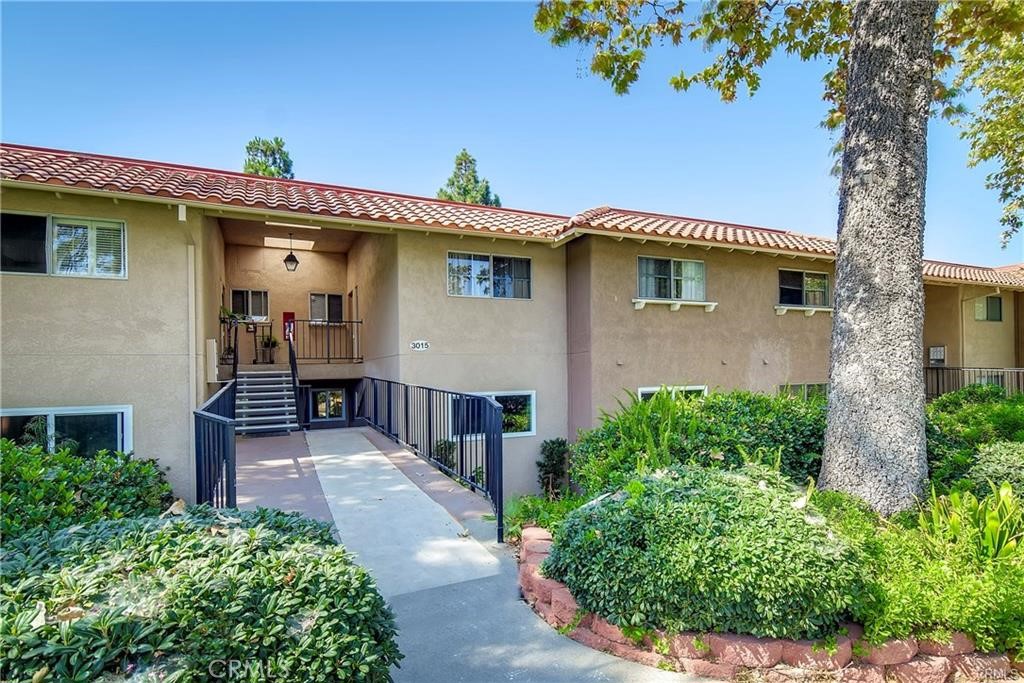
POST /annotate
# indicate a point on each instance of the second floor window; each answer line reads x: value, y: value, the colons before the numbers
x: 664, y: 278
x: 252, y: 303
x: 989, y: 308
x: 62, y: 246
x: 485, y: 275
x: 800, y: 288
x: 325, y: 307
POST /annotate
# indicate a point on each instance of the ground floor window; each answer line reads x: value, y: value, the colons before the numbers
x: 518, y: 417
x: 694, y: 390
x: 328, y: 404
x: 804, y: 390
x: 90, y: 428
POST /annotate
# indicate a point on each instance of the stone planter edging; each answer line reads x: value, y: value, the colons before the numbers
x: 732, y: 657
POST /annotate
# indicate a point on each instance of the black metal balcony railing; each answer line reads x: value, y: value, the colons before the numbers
x: 215, y: 448
x: 460, y: 434
x: 942, y: 380
x: 328, y: 341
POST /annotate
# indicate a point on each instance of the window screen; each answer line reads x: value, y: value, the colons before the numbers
x: 511, y: 277
x: 22, y: 243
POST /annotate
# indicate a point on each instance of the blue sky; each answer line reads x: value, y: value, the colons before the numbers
x: 384, y: 95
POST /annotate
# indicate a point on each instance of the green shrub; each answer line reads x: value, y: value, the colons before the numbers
x: 55, y: 490
x: 174, y: 597
x: 699, y: 549
x: 963, y: 421
x: 1002, y: 461
x: 551, y: 468
x: 927, y: 584
x: 541, y: 511
x: 644, y: 436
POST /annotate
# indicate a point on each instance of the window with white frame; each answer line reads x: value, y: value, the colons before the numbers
x: 62, y: 245
x: 804, y: 391
x: 803, y: 288
x: 91, y: 428
x: 326, y: 307
x: 989, y: 308
x: 489, y: 275
x: 254, y: 304
x: 646, y: 393
x: 518, y: 417
x: 668, y: 278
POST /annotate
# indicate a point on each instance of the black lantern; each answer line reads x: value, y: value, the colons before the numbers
x: 291, y: 262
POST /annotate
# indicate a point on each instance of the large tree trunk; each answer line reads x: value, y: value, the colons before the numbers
x: 875, y: 440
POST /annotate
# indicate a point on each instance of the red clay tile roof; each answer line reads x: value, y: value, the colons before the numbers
x: 114, y: 174
x: 660, y: 226
x: 57, y: 168
x: 679, y: 227
x: 1008, y: 276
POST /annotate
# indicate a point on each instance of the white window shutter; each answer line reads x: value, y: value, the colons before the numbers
x: 109, y: 250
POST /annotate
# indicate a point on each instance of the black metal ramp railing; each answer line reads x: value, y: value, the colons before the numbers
x: 215, y: 448
x: 458, y: 433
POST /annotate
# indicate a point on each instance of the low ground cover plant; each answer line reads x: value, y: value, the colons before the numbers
x: 701, y: 549
x: 1002, y: 461
x: 177, y: 598
x: 55, y: 490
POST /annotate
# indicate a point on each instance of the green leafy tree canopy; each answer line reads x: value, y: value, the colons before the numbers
x: 465, y: 184
x: 977, y: 47
x: 268, y: 158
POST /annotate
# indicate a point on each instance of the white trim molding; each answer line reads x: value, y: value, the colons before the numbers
x: 126, y: 441
x: 675, y: 389
x: 674, y: 304
x: 783, y: 309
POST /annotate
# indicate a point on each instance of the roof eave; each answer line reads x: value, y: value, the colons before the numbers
x: 225, y: 209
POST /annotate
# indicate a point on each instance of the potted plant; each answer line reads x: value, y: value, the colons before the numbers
x: 267, y: 351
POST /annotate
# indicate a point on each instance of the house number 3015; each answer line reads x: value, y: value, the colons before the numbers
x: 419, y: 345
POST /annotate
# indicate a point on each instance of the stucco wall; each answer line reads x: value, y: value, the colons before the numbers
x: 578, y: 304
x: 262, y: 268
x: 486, y: 344
x: 741, y: 344
x: 373, y: 277
x: 989, y: 344
x: 69, y: 342
x: 211, y: 287
x: 942, y: 322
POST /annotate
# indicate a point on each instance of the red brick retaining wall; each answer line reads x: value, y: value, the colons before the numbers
x: 729, y: 657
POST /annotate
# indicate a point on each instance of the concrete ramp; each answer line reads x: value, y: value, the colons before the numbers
x: 405, y: 539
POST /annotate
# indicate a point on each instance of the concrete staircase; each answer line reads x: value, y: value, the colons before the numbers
x: 264, y: 402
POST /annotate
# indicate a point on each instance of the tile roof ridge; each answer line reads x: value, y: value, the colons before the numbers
x: 150, y: 164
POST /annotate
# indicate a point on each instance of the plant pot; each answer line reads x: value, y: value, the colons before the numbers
x: 266, y: 355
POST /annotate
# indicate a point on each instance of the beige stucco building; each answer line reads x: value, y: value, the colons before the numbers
x: 118, y: 278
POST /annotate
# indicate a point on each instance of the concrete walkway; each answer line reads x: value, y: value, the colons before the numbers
x: 431, y: 546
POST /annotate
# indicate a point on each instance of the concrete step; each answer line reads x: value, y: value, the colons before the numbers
x: 279, y: 401
x: 243, y: 381
x: 288, y: 416
x: 251, y: 392
x: 241, y: 410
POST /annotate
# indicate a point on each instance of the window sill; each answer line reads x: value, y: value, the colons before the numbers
x: 674, y: 304
x: 808, y: 311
